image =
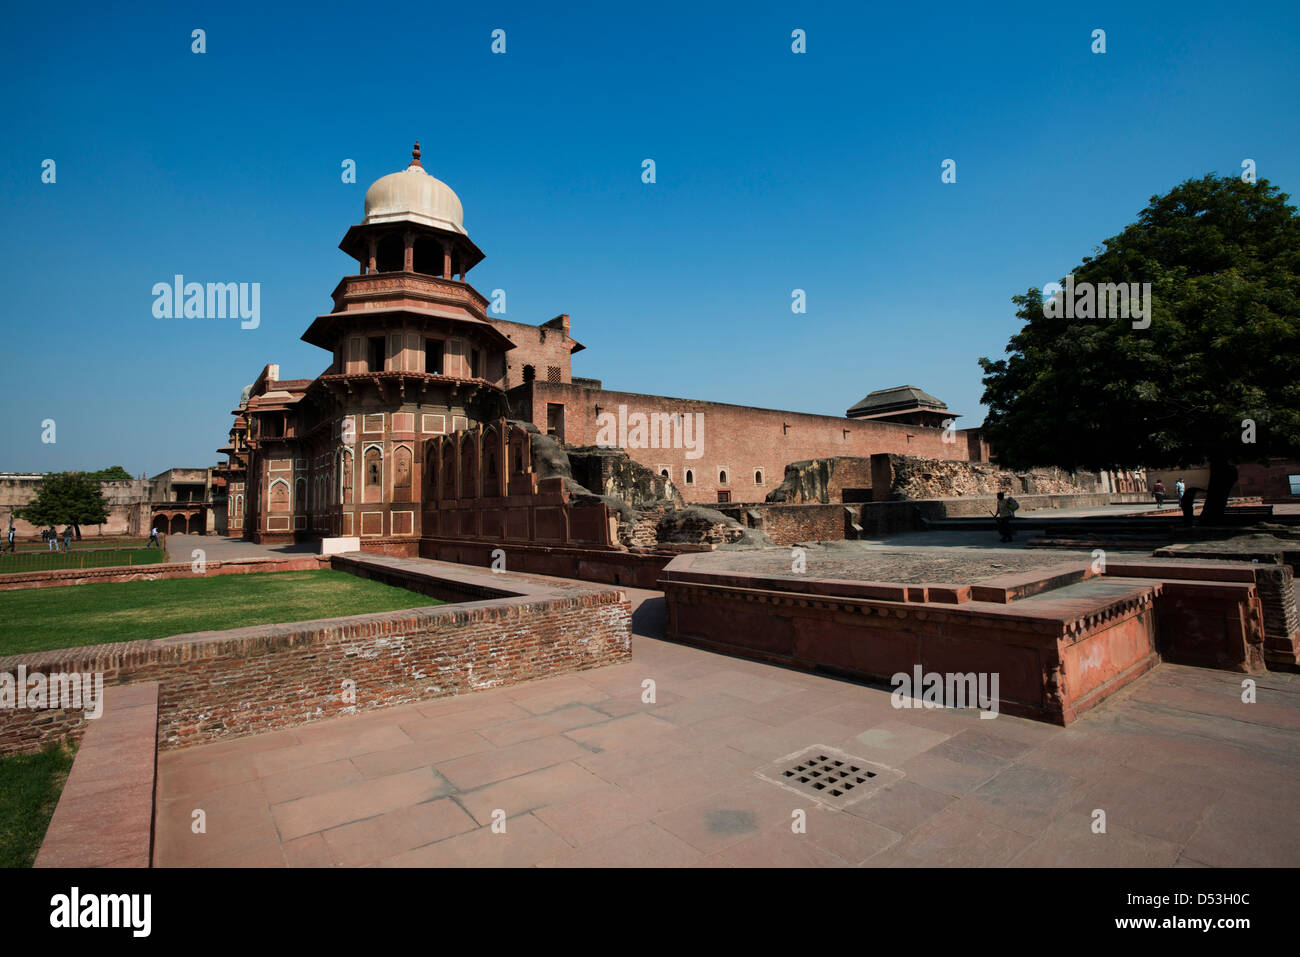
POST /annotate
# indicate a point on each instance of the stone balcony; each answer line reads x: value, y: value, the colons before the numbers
x: 390, y: 288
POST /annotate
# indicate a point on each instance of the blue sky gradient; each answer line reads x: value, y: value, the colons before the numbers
x: 775, y: 171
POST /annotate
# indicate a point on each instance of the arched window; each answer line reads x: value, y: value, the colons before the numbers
x: 690, y: 476
x: 758, y: 476
x: 529, y: 373
x: 722, y: 477
x: 664, y: 473
x: 427, y: 256
x: 390, y: 256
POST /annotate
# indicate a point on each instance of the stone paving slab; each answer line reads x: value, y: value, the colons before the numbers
x: 111, y: 781
x: 581, y: 771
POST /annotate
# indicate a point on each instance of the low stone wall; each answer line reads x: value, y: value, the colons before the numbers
x: 1054, y: 659
x: 635, y: 568
x: 1060, y: 638
x: 1237, y: 618
x: 396, y: 547
x: 223, y: 684
x: 150, y: 573
x: 789, y: 524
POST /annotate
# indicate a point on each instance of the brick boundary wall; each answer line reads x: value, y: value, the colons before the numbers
x: 224, y: 684
x: 149, y: 573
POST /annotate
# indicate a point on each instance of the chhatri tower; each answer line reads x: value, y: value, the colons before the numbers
x: 415, y: 354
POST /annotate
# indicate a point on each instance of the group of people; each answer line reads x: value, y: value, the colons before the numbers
x: 1158, y: 490
x: 51, y: 538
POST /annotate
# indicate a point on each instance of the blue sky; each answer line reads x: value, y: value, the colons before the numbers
x: 775, y: 171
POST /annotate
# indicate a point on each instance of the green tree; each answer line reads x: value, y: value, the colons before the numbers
x: 1222, y: 349
x: 113, y: 474
x: 66, y: 498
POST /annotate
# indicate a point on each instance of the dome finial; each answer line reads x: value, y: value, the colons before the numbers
x: 415, y: 155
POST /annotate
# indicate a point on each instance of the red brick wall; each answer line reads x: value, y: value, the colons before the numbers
x: 538, y: 347
x: 216, y: 685
x: 737, y: 438
x: 787, y: 524
x: 1269, y: 482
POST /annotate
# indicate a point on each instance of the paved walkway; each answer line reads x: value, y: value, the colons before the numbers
x: 586, y: 773
x: 217, y: 548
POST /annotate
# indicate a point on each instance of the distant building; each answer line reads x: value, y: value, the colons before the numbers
x: 177, y: 500
x: 903, y: 403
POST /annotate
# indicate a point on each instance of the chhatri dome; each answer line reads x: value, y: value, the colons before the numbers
x: 412, y: 195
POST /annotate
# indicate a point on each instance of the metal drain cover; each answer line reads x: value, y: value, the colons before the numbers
x: 828, y: 775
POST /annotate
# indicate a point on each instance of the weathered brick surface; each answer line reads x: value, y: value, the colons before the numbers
x: 788, y: 524
x: 913, y: 477
x: 223, y: 684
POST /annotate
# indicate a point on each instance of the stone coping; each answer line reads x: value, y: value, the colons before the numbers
x: 473, y: 579
x: 162, y: 570
x: 1000, y: 589
x: 104, y: 817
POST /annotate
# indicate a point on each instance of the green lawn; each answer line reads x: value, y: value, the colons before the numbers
x: 43, y: 561
x: 33, y: 619
x: 30, y: 785
x: 88, y: 541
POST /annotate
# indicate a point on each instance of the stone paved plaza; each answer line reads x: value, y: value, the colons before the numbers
x: 588, y: 774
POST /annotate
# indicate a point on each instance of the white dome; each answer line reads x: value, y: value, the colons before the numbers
x: 412, y: 195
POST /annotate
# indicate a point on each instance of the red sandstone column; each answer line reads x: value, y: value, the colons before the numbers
x: 373, y: 256
x: 408, y: 257
x: 446, y: 260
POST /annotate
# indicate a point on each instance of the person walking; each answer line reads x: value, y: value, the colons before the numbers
x: 1006, y: 511
x: 67, y: 539
x: 1180, y: 488
x: 52, y: 537
x: 153, y: 539
x: 1159, y: 492
x: 12, y: 546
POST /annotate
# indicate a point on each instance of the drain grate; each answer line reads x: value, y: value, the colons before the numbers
x: 825, y: 773
x: 828, y: 775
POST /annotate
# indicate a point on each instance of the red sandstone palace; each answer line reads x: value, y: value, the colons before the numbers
x: 416, y: 356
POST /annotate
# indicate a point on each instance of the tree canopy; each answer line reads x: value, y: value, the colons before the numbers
x: 1214, y: 377
x: 66, y: 498
x: 114, y: 473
